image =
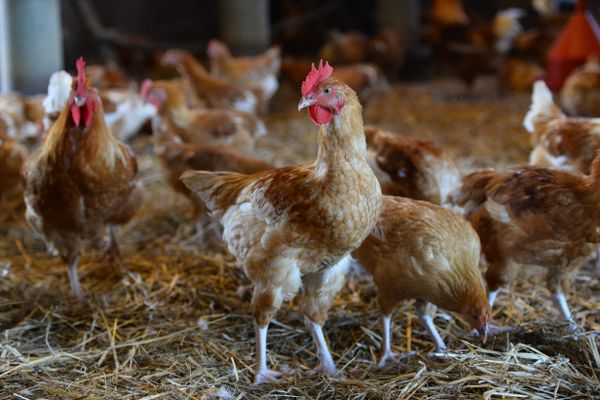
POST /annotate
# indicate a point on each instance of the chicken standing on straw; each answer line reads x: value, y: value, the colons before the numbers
x: 295, y: 227
x: 534, y: 216
x: 81, y: 180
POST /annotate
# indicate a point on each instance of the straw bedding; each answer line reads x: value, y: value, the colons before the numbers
x: 169, y: 323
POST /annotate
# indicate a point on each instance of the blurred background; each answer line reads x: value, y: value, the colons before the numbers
x: 38, y: 37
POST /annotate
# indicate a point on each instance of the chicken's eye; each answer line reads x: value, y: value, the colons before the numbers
x: 327, y: 90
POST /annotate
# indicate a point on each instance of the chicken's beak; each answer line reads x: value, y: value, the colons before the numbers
x: 79, y: 101
x: 306, y: 102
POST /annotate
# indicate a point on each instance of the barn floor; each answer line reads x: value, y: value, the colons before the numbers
x: 169, y: 324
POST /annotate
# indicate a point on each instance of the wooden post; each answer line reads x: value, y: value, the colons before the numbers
x: 245, y: 25
x: 35, y: 44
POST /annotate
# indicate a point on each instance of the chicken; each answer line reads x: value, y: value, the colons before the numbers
x: 559, y: 141
x: 129, y: 112
x: 421, y: 251
x: 533, y: 216
x: 408, y: 167
x: 295, y: 227
x: 106, y: 77
x: 345, y: 48
x: 258, y: 74
x: 81, y: 180
x: 12, y: 157
x: 13, y: 113
x: 518, y: 75
x: 365, y: 79
x: 178, y: 157
x: 580, y: 94
x: 202, y: 126
x: 471, y: 49
x: 386, y: 49
x: 213, y: 92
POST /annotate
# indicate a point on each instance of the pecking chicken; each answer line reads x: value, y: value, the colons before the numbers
x: 533, y: 216
x: 81, y: 180
x: 419, y: 169
x: 258, y: 74
x: 178, y: 157
x: 202, y: 126
x: 295, y: 227
x: 580, y: 94
x: 421, y: 251
x: 213, y: 92
x: 12, y: 157
x: 559, y: 141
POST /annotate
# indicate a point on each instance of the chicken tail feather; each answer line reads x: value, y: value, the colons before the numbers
x: 542, y: 108
x: 218, y: 190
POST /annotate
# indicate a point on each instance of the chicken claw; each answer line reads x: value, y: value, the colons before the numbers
x: 391, y: 356
x: 326, y: 365
x: 267, y: 376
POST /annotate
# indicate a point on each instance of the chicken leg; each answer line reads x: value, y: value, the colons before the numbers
x: 326, y: 365
x: 113, y: 251
x: 74, y: 277
x: 318, y: 293
x: 426, y: 311
x: 262, y: 373
x: 387, y: 353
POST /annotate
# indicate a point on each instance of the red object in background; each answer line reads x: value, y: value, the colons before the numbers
x: 579, y: 39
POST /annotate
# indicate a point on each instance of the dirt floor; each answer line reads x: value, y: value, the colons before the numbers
x: 170, y: 325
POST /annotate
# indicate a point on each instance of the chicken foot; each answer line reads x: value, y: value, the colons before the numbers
x: 387, y: 353
x: 426, y: 311
x: 326, y: 364
x: 262, y: 373
x: 560, y: 302
x: 74, y: 278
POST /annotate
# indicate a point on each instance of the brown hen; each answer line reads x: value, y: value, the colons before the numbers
x: 533, y: 216
x: 295, y: 227
x: 81, y: 180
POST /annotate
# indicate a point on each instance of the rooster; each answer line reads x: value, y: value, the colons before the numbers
x: 422, y: 251
x: 258, y: 73
x: 201, y: 126
x: 533, y: 216
x: 81, y: 180
x: 213, y: 92
x: 295, y: 227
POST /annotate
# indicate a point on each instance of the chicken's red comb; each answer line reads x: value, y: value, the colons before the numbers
x: 146, y: 86
x: 316, y: 76
x: 80, y: 64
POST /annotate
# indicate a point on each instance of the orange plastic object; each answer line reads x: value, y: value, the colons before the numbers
x: 579, y: 39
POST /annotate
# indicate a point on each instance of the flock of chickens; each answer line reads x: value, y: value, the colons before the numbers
x: 396, y: 205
